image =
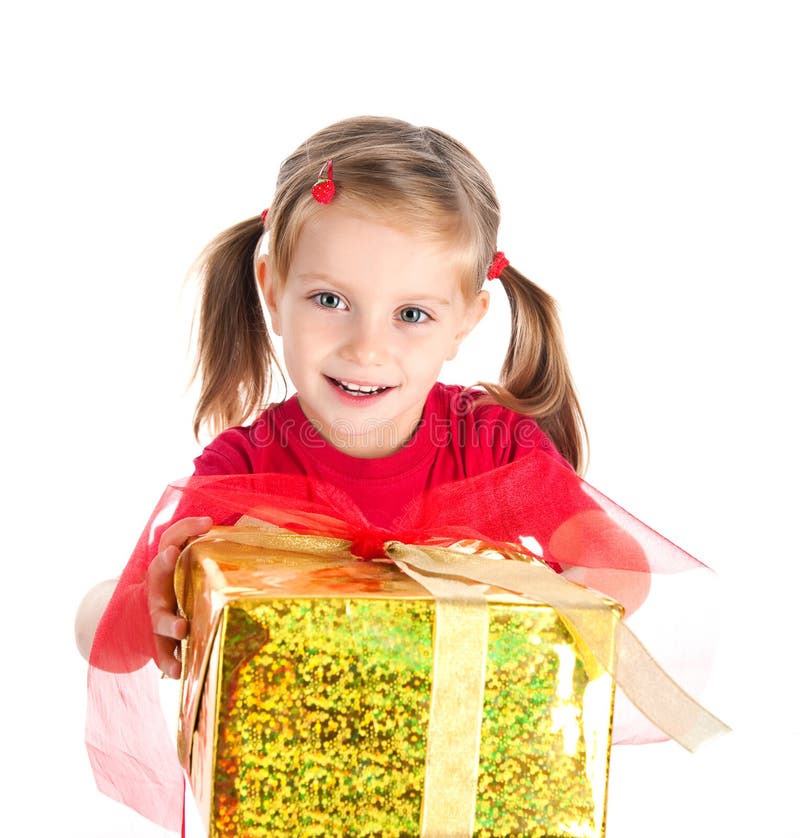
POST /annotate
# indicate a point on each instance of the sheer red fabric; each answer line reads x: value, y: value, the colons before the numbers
x: 598, y: 543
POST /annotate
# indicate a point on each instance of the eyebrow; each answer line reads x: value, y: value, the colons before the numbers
x: 308, y: 278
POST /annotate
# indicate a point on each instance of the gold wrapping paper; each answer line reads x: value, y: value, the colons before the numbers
x: 324, y: 696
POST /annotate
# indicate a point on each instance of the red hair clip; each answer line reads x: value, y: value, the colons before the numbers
x: 264, y: 217
x: 499, y: 264
x: 324, y: 189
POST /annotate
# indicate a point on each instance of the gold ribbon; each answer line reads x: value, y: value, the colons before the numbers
x: 456, y: 705
x: 450, y: 576
x: 656, y: 695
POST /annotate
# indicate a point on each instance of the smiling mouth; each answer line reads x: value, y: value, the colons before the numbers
x: 358, y: 389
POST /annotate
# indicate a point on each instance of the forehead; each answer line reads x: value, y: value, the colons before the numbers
x: 337, y: 240
x: 357, y: 253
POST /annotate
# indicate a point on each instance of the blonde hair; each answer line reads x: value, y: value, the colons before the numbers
x: 424, y: 181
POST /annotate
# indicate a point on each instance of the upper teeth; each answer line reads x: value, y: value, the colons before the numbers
x: 361, y: 388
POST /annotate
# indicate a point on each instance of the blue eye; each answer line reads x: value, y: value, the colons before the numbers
x: 327, y: 300
x: 413, y: 315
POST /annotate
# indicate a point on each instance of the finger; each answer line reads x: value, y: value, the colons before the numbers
x: 163, y: 564
x: 177, y: 533
x: 166, y: 659
x: 167, y: 625
x: 160, y: 589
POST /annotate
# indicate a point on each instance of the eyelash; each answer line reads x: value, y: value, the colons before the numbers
x: 317, y: 298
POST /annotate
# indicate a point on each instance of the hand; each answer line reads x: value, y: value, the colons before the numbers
x: 169, y: 627
x: 585, y: 542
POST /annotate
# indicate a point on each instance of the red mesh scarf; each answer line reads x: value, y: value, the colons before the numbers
x: 132, y: 754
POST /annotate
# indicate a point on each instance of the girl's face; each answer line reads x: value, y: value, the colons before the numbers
x: 368, y: 314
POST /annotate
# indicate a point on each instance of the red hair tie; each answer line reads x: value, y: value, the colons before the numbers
x: 499, y: 264
x: 324, y: 189
x: 264, y: 217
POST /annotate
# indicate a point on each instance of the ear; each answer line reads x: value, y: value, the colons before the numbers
x: 269, y: 293
x: 476, y: 311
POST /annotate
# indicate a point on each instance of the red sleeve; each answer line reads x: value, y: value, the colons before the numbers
x: 526, y: 436
x: 495, y: 436
x: 227, y: 454
x: 558, y: 489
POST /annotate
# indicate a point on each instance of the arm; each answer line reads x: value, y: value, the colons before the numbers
x: 167, y: 626
x: 154, y: 594
x: 89, y: 613
x: 586, y: 539
x: 577, y: 536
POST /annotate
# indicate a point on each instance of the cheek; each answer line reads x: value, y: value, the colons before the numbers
x: 307, y: 343
x: 427, y: 355
x: 429, y: 342
x: 297, y: 347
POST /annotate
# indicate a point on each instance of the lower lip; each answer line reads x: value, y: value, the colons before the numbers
x: 348, y: 398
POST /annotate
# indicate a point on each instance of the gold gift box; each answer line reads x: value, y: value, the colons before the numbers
x: 306, y: 704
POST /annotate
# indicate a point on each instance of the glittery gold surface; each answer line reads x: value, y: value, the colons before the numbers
x: 545, y: 733
x: 326, y: 702
x: 314, y: 714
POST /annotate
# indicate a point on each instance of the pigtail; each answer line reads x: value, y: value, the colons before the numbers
x: 235, y: 356
x: 535, y: 378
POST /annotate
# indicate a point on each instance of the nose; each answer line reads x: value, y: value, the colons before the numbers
x: 366, y: 341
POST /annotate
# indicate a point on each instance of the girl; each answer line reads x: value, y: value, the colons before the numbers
x: 379, y: 239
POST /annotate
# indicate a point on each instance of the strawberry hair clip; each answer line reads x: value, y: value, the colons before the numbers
x: 324, y: 189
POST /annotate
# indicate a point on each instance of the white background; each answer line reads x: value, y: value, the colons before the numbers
x: 646, y: 158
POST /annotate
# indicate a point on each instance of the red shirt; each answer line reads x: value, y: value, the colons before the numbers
x: 453, y: 440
